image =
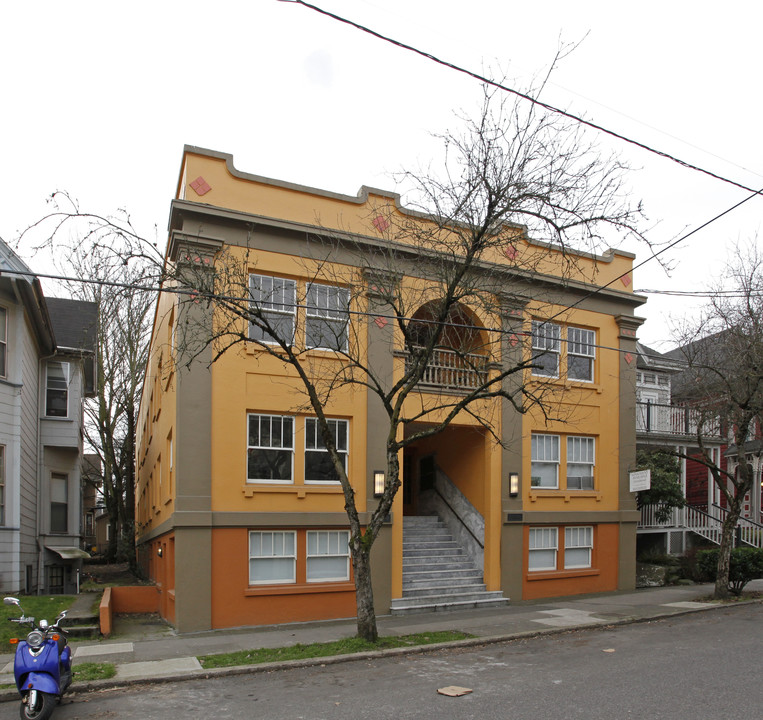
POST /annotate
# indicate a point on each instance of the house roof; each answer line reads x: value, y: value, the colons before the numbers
x: 75, y: 323
x: 650, y: 359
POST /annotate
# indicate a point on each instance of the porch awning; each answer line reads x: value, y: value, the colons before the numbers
x: 68, y: 553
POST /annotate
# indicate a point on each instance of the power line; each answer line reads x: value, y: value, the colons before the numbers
x: 524, y: 96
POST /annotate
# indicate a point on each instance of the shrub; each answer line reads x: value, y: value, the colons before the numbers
x: 745, y: 564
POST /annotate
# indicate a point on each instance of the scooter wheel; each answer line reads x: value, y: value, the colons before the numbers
x: 46, y: 704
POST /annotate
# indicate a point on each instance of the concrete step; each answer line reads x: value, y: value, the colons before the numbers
x: 405, y: 607
x: 437, y: 562
x: 82, y: 631
x: 444, y: 591
x: 449, y: 548
x: 441, y: 580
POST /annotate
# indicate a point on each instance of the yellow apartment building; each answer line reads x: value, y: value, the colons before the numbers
x: 240, y: 518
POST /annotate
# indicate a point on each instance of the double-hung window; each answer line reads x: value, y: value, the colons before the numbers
x: 544, y: 471
x: 580, y: 461
x: 328, y: 555
x: 59, y: 503
x: 270, y: 448
x: 272, y: 557
x: 542, y: 548
x: 327, y: 317
x: 581, y: 352
x: 546, y: 345
x: 2, y: 484
x: 273, y: 306
x: 319, y: 467
x: 578, y: 543
x: 3, y: 341
x: 57, y: 389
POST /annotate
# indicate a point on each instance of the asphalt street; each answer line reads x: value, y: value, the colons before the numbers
x: 690, y: 667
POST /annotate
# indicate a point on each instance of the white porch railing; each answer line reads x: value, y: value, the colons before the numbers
x: 707, y: 524
x: 674, y: 420
x: 448, y: 369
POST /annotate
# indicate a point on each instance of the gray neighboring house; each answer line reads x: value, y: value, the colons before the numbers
x: 47, y: 369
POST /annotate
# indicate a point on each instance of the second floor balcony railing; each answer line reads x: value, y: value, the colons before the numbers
x: 675, y: 420
x: 449, y: 370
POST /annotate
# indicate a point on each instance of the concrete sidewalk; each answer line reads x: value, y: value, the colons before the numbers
x: 152, y: 652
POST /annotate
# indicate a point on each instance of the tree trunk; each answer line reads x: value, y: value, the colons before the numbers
x: 724, y: 555
x: 364, y: 596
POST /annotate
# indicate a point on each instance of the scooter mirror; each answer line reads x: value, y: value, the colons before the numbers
x: 11, y: 601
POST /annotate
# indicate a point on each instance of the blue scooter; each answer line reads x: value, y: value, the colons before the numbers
x: 42, y: 665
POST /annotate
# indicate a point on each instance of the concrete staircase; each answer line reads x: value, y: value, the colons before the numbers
x: 437, y: 574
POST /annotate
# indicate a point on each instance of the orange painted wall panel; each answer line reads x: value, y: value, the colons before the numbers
x: 601, y: 578
x: 235, y: 603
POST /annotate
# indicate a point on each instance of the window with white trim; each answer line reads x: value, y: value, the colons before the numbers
x: 581, y: 353
x: 327, y: 317
x: 270, y: 449
x: 273, y: 303
x: 3, y: 342
x: 542, y: 548
x: 2, y: 484
x: 59, y: 503
x: 319, y: 467
x: 578, y: 545
x: 272, y: 557
x: 328, y: 555
x: 544, y: 471
x: 546, y: 348
x: 580, y: 462
x: 57, y: 389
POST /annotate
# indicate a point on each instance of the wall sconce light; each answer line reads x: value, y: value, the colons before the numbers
x: 378, y: 483
x: 513, y: 484
x: 159, y: 551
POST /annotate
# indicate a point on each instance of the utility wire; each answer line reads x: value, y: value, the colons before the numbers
x: 524, y: 96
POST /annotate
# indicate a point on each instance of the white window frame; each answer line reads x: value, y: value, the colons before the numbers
x: 546, y: 341
x: 3, y: 342
x: 277, y: 542
x: 542, y: 452
x: 542, y: 541
x: 277, y: 299
x: 578, y: 538
x: 581, y: 344
x: 271, y: 447
x: 314, y: 444
x: 2, y: 485
x: 581, y: 450
x: 323, y: 311
x: 336, y: 545
x: 65, y: 390
x: 59, y: 480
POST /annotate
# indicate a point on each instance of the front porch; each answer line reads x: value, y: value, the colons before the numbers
x: 703, y: 522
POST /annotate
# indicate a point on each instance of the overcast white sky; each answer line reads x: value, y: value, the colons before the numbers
x: 99, y: 98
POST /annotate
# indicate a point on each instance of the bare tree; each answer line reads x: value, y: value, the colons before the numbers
x: 723, y: 351
x: 94, y: 264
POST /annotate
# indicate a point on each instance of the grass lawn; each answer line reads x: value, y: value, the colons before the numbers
x: 36, y: 606
x: 315, y: 650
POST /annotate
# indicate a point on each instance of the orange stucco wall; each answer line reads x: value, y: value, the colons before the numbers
x: 235, y: 602
x: 601, y: 577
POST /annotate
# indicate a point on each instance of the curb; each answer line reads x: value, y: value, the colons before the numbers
x: 91, y: 686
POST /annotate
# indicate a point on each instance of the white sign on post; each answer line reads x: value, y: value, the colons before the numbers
x: 641, y: 480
